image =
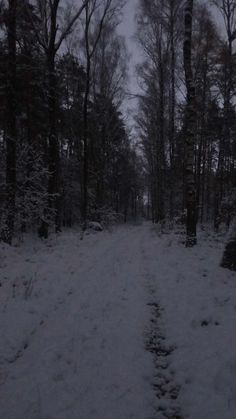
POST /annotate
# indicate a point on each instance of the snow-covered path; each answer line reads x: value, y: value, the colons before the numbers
x: 77, y: 318
x: 85, y: 356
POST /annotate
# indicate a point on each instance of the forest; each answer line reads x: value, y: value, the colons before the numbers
x: 117, y: 209
x: 67, y: 152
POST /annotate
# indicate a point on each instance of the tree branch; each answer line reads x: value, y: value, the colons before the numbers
x: 67, y: 30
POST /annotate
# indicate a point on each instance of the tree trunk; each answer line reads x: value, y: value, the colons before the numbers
x: 54, y: 155
x: 53, y: 144
x: 161, y: 151
x: 85, y: 140
x: 11, y: 132
x: 90, y: 8
x: 227, y: 9
x: 172, y: 112
x: 191, y: 238
x: 161, y: 146
x: 201, y: 150
x: 85, y: 123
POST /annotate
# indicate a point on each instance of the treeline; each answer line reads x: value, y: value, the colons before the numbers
x: 65, y: 152
x: 185, y: 44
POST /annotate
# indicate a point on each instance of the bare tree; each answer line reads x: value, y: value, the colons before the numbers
x: 159, y: 24
x: 205, y: 56
x: 109, y: 74
x: 228, y: 12
x: 50, y: 36
x: 96, y: 13
x: 227, y: 9
x: 153, y: 38
x: 173, y: 8
x: 191, y: 238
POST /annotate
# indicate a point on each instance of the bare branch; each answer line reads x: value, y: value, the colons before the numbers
x: 41, y: 41
x: 106, y: 9
x: 67, y: 30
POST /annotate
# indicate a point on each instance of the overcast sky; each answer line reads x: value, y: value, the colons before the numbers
x: 127, y: 28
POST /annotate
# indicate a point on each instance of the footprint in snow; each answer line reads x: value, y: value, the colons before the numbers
x: 204, y: 323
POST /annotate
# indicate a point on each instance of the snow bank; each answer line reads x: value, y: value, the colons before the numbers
x: 199, y: 301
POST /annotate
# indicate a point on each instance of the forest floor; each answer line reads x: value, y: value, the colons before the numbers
x: 124, y: 324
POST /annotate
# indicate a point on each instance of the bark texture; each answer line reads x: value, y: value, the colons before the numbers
x: 191, y: 238
x: 11, y: 131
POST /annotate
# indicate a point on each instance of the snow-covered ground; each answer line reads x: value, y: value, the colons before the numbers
x: 76, y: 318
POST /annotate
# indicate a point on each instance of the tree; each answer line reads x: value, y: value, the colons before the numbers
x: 173, y: 9
x: 50, y: 39
x: 159, y: 31
x: 11, y: 130
x: 109, y: 74
x: 53, y: 96
x: 227, y: 9
x: 153, y: 39
x: 204, y: 63
x: 71, y: 84
x: 92, y: 34
x: 191, y: 238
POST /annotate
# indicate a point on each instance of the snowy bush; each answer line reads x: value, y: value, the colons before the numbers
x: 106, y: 216
x: 227, y: 209
x: 31, y: 190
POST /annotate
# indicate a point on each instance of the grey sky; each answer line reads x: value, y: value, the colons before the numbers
x: 127, y: 28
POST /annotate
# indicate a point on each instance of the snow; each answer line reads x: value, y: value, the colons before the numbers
x: 199, y: 300
x: 94, y: 225
x: 76, y: 316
